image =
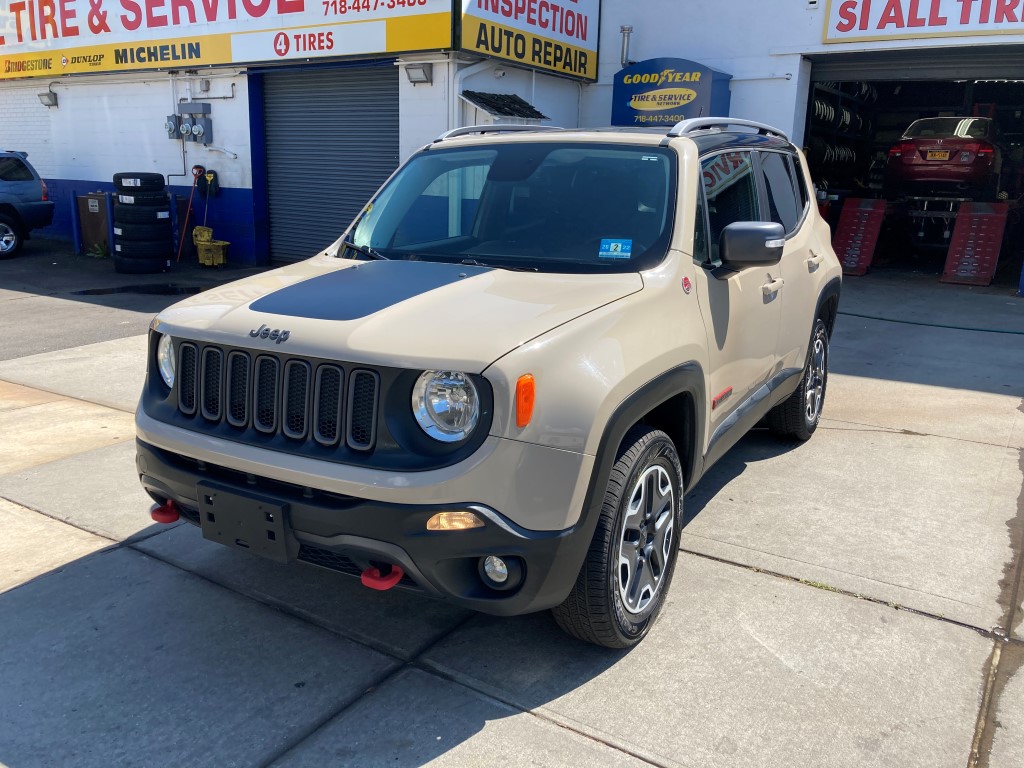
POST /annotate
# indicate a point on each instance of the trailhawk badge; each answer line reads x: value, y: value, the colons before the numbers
x: 275, y: 335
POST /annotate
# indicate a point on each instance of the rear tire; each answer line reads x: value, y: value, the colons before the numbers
x: 798, y: 415
x: 12, y: 237
x: 622, y: 585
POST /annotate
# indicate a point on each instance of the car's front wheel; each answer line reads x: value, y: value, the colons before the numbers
x: 11, y: 237
x: 623, y: 582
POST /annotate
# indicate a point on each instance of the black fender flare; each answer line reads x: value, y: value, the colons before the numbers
x: 683, y: 379
x: 830, y: 291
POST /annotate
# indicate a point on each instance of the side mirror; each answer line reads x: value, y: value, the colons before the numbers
x: 751, y: 244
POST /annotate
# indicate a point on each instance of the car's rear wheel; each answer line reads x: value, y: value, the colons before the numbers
x: 798, y: 415
x: 622, y: 585
x: 11, y: 236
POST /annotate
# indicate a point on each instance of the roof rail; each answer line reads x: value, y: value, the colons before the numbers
x: 706, y: 123
x: 470, y: 129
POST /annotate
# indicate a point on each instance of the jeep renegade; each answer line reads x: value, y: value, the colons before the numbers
x: 497, y: 386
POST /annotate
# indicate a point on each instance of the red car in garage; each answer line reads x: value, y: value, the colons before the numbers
x: 946, y: 155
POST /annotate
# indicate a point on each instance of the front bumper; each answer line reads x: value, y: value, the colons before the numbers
x: 349, y: 534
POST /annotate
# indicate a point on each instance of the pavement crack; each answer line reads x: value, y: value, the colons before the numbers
x: 1008, y: 653
x: 844, y: 592
x: 904, y: 432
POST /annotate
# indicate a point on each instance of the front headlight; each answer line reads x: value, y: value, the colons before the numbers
x: 446, y: 405
x: 165, y: 359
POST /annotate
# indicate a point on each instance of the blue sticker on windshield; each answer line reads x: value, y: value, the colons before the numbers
x: 616, y: 249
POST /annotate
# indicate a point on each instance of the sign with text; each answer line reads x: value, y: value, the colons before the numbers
x: 558, y: 36
x: 850, y: 21
x: 54, y: 37
x: 665, y: 91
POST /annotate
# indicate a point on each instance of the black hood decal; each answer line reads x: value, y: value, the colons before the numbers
x: 349, y: 294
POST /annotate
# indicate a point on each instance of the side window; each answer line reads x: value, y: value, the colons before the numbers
x: 700, y: 231
x: 730, y: 194
x: 783, y: 206
x: 801, y: 184
x: 12, y: 169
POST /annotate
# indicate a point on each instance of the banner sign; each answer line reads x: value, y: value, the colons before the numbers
x: 558, y: 36
x: 849, y: 21
x: 46, y: 38
x: 665, y: 91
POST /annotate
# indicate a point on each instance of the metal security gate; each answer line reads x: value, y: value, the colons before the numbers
x: 940, y: 63
x: 332, y: 140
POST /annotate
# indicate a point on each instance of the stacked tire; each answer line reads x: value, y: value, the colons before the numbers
x: 143, y: 237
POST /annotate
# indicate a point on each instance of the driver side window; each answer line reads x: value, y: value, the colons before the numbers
x: 730, y: 195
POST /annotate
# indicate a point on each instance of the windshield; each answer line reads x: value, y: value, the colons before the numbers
x: 550, y: 207
x: 938, y: 127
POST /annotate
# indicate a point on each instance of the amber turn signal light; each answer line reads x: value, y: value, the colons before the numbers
x: 526, y: 393
x: 461, y: 520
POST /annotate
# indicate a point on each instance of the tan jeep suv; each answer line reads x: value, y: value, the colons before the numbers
x: 499, y: 383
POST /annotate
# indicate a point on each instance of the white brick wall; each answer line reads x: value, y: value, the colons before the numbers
x: 111, y: 123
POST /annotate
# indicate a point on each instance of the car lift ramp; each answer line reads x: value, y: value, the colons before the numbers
x: 977, y: 240
x: 857, y: 233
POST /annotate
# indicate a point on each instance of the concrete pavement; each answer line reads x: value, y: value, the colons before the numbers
x: 843, y: 602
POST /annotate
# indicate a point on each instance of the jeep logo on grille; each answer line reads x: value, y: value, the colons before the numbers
x: 276, y: 335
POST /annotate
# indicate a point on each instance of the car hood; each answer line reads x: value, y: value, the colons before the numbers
x: 406, y: 314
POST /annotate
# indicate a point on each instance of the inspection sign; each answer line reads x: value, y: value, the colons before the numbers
x: 557, y: 36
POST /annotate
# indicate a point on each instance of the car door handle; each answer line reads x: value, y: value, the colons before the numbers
x: 815, y: 261
x: 773, y: 287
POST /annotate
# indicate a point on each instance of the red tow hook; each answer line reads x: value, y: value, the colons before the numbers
x: 165, y: 513
x: 373, y: 579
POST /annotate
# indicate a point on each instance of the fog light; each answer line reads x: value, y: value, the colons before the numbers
x: 454, y: 521
x: 495, y: 569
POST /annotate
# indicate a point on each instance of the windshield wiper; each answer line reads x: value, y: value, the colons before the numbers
x: 475, y: 263
x: 365, y: 250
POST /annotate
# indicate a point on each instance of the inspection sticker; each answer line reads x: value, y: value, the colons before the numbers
x: 616, y: 249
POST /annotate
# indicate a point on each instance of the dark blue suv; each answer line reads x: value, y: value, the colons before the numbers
x: 24, y: 202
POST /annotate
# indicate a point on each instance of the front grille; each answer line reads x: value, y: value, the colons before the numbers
x: 290, y: 397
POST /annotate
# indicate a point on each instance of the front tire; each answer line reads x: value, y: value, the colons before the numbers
x: 798, y: 415
x: 621, y: 588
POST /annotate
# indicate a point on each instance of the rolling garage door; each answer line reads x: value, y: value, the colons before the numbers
x: 949, y: 63
x: 332, y: 140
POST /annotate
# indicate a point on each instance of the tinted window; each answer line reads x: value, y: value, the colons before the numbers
x: 729, y: 192
x: 12, y: 169
x: 783, y: 206
x: 801, y: 184
x: 546, y: 206
x: 936, y: 127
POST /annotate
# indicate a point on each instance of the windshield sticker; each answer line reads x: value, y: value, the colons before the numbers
x: 615, y: 249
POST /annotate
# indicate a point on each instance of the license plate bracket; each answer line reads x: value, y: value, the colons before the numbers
x: 244, y: 521
x: 937, y: 154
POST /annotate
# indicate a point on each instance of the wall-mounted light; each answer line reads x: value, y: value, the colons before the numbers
x: 48, y: 99
x: 419, y: 72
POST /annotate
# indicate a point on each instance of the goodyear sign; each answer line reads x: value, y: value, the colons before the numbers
x: 665, y: 91
x: 556, y: 36
x: 44, y: 38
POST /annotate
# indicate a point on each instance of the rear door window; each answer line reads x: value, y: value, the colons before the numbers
x: 13, y: 169
x: 784, y: 206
